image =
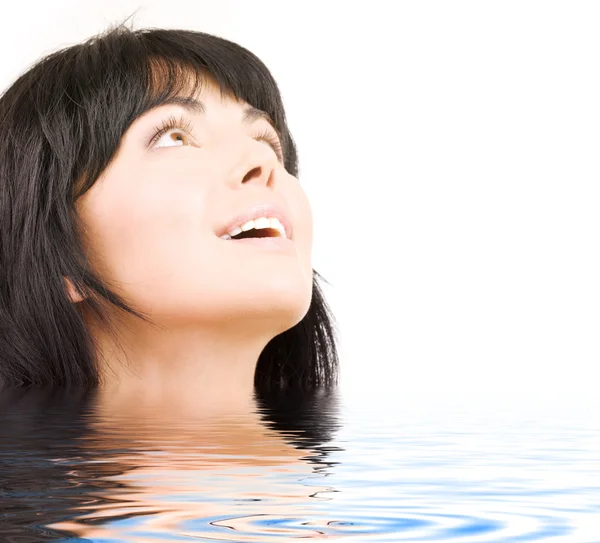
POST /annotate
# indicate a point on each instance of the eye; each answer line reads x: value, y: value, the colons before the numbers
x: 272, y: 139
x: 172, y: 132
x: 172, y: 138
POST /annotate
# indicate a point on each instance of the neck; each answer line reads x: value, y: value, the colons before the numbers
x: 181, y: 362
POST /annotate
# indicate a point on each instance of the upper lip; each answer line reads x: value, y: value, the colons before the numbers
x: 255, y: 212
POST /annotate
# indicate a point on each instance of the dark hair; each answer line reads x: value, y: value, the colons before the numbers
x: 61, y: 124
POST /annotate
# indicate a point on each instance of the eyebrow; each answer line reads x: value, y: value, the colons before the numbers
x: 193, y: 105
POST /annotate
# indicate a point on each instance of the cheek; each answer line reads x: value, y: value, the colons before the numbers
x: 151, y: 237
x: 139, y: 238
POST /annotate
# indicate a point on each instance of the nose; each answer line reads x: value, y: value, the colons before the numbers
x: 257, y: 166
x: 258, y: 174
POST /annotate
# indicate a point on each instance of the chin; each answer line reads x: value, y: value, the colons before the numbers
x: 293, y: 304
x: 294, y: 313
x: 283, y: 301
x: 278, y: 302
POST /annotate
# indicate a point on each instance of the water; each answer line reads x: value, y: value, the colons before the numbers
x: 73, y: 470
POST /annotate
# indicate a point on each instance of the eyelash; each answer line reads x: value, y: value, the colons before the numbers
x: 268, y: 136
x: 185, y: 125
x: 169, y: 124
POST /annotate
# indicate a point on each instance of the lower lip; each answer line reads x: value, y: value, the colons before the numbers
x: 273, y: 244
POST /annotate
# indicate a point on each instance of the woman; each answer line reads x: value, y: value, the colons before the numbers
x: 131, y: 166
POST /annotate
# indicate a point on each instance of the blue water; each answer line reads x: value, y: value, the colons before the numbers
x: 324, y: 467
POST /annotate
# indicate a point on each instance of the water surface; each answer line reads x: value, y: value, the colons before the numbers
x: 323, y: 467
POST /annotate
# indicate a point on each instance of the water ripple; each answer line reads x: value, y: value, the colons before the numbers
x: 71, y: 472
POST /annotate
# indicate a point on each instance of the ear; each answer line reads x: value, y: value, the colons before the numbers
x: 72, y: 292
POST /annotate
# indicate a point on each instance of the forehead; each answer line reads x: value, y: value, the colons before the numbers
x: 198, y: 91
x: 200, y: 99
x: 209, y: 97
x: 185, y: 82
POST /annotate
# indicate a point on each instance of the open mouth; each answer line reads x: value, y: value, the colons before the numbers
x: 258, y: 233
x: 263, y: 227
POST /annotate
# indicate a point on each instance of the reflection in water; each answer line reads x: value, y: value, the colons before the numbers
x: 90, y: 466
x: 75, y: 467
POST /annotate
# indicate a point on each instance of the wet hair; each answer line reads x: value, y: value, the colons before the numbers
x: 61, y: 124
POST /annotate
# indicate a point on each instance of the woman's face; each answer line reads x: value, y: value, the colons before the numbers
x: 155, y: 216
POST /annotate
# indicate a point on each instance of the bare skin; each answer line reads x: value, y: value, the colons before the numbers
x: 186, y: 385
x: 151, y: 222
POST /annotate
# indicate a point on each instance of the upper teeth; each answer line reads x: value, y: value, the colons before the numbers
x: 262, y: 222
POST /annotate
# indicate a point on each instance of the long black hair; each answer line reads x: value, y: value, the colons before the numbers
x: 61, y: 124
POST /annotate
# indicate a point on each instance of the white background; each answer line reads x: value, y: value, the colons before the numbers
x: 450, y: 151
